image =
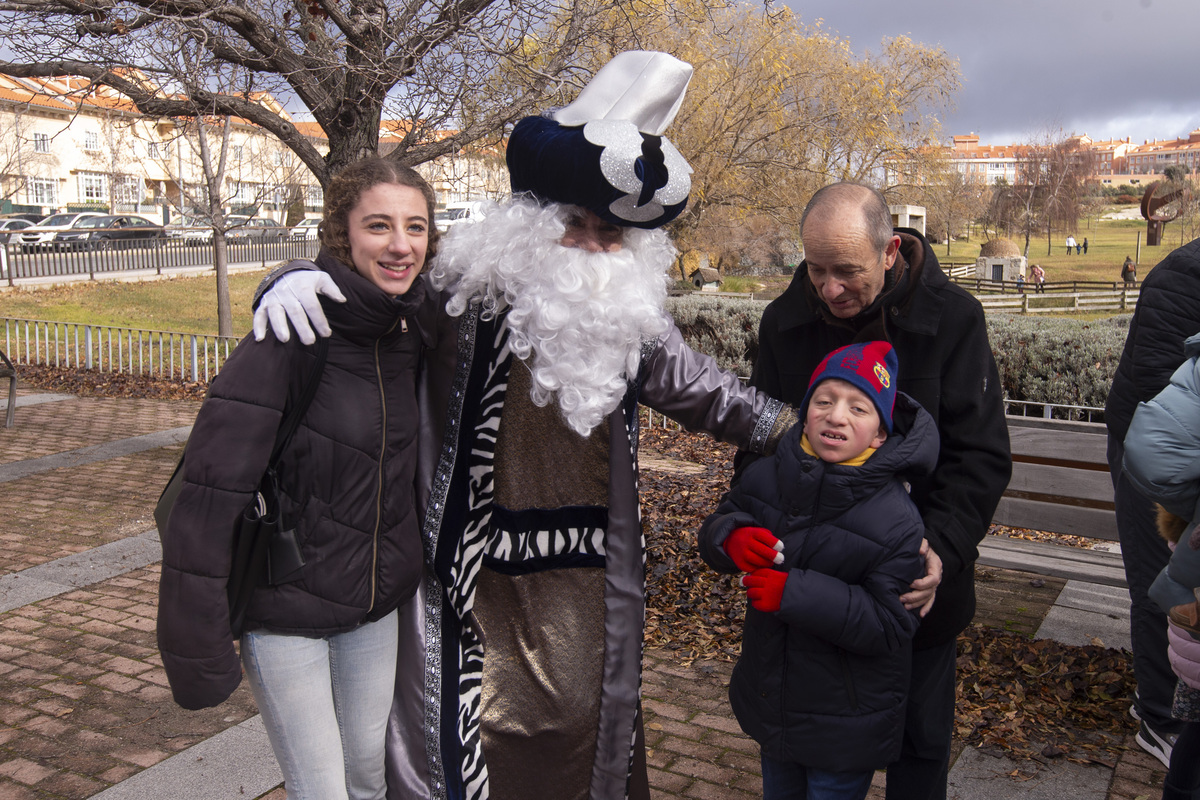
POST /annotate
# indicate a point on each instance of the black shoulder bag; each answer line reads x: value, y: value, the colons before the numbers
x: 264, y: 545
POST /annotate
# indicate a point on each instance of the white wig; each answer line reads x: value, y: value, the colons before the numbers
x: 577, y: 319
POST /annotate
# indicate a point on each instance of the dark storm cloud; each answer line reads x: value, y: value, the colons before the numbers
x: 1107, y: 68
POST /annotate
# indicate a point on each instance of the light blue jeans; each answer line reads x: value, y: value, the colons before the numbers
x: 325, y: 703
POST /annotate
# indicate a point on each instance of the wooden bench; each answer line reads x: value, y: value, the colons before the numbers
x: 1060, y: 484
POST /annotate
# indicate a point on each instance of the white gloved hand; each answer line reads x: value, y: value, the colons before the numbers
x: 295, y: 296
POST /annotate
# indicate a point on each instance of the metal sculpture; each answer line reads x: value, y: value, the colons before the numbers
x: 1162, y: 203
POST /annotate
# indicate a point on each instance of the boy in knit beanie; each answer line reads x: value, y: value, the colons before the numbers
x: 829, y: 540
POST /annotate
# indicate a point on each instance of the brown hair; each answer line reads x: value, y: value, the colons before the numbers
x: 346, y: 189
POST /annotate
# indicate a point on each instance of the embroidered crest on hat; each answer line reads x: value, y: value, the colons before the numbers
x: 869, y: 366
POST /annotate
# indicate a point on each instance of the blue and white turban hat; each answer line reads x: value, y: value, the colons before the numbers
x: 605, y: 151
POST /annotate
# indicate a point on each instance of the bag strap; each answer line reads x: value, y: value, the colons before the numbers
x: 292, y: 421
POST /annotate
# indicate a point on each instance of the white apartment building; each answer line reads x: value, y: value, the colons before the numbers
x: 68, y: 146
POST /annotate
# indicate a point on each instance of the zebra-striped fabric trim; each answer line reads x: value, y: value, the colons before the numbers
x: 516, y: 546
x: 467, y: 560
x: 433, y: 525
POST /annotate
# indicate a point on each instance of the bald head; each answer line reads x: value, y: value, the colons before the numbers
x: 849, y: 246
x: 852, y: 203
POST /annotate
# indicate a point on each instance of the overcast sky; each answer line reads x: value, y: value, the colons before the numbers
x: 1107, y: 68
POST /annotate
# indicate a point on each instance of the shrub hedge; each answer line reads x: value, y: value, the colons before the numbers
x: 1041, y: 359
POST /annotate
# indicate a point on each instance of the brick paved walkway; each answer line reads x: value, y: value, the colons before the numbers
x: 83, y: 698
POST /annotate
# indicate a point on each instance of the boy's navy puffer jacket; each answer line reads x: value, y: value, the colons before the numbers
x: 823, y: 681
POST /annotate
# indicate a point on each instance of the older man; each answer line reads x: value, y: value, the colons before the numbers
x: 862, y: 280
x: 520, y: 676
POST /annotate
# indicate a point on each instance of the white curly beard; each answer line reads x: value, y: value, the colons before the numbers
x: 577, y: 319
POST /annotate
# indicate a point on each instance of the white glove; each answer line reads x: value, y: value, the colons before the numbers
x: 294, y: 296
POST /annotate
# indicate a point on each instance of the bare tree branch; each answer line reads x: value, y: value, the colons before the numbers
x: 431, y: 64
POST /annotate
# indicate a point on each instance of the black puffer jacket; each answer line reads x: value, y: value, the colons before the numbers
x: 1168, y: 311
x: 823, y: 681
x: 940, y: 338
x: 347, y: 483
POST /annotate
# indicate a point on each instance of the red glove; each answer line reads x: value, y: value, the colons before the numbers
x: 764, y: 588
x: 753, y: 548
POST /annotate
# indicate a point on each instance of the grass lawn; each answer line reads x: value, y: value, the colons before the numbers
x: 1109, y: 241
x: 186, y: 305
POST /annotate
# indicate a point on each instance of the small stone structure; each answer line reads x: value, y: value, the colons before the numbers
x: 908, y: 217
x: 999, y: 248
x: 1000, y: 260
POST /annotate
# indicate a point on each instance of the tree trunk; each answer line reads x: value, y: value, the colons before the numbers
x: 356, y: 136
x: 221, y: 265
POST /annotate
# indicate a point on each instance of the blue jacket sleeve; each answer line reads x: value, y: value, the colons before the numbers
x: 1162, y: 446
x: 1175, y: 584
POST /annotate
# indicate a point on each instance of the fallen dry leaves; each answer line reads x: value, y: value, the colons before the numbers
x: 89, y: 383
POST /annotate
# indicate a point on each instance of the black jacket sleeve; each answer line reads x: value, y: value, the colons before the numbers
x: 958, y: 500
x: 225, y: 458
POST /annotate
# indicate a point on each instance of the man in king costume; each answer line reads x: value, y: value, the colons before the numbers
x: 521, y: 674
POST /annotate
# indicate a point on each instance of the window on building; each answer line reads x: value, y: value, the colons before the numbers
x: 127, y: 189
x: 165, y: 149
x: 42, y: 191
x: 41, y: 143
x: 152, y: 149
x: 91, y: 141
x: 93, y: 187
x: 247, y: 192
x: 237, y: 152
x: 314, y: 197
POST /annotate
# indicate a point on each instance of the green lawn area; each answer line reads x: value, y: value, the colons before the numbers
x: 1109, y: 241
x: 187, y: 305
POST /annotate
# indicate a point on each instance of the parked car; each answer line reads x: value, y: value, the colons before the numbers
x: 306, y: 229
x: 29, y: 217
x: 8, y: 226
x: 258, y: 229
x: 455, y: 213
x: 111, y: 231
x: 189, y: 230
x: 42, y: 235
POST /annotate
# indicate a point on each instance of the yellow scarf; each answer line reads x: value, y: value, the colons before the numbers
x: 857, y: 461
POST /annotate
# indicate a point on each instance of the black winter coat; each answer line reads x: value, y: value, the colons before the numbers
x: 823, y: 681
x: 346, y: 480
x: 1168, y: 311
x: 946, y: 365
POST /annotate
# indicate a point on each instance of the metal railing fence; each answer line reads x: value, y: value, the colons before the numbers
x: 21, y: 261
x: 1031, y: 408
x: 163, y: 354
